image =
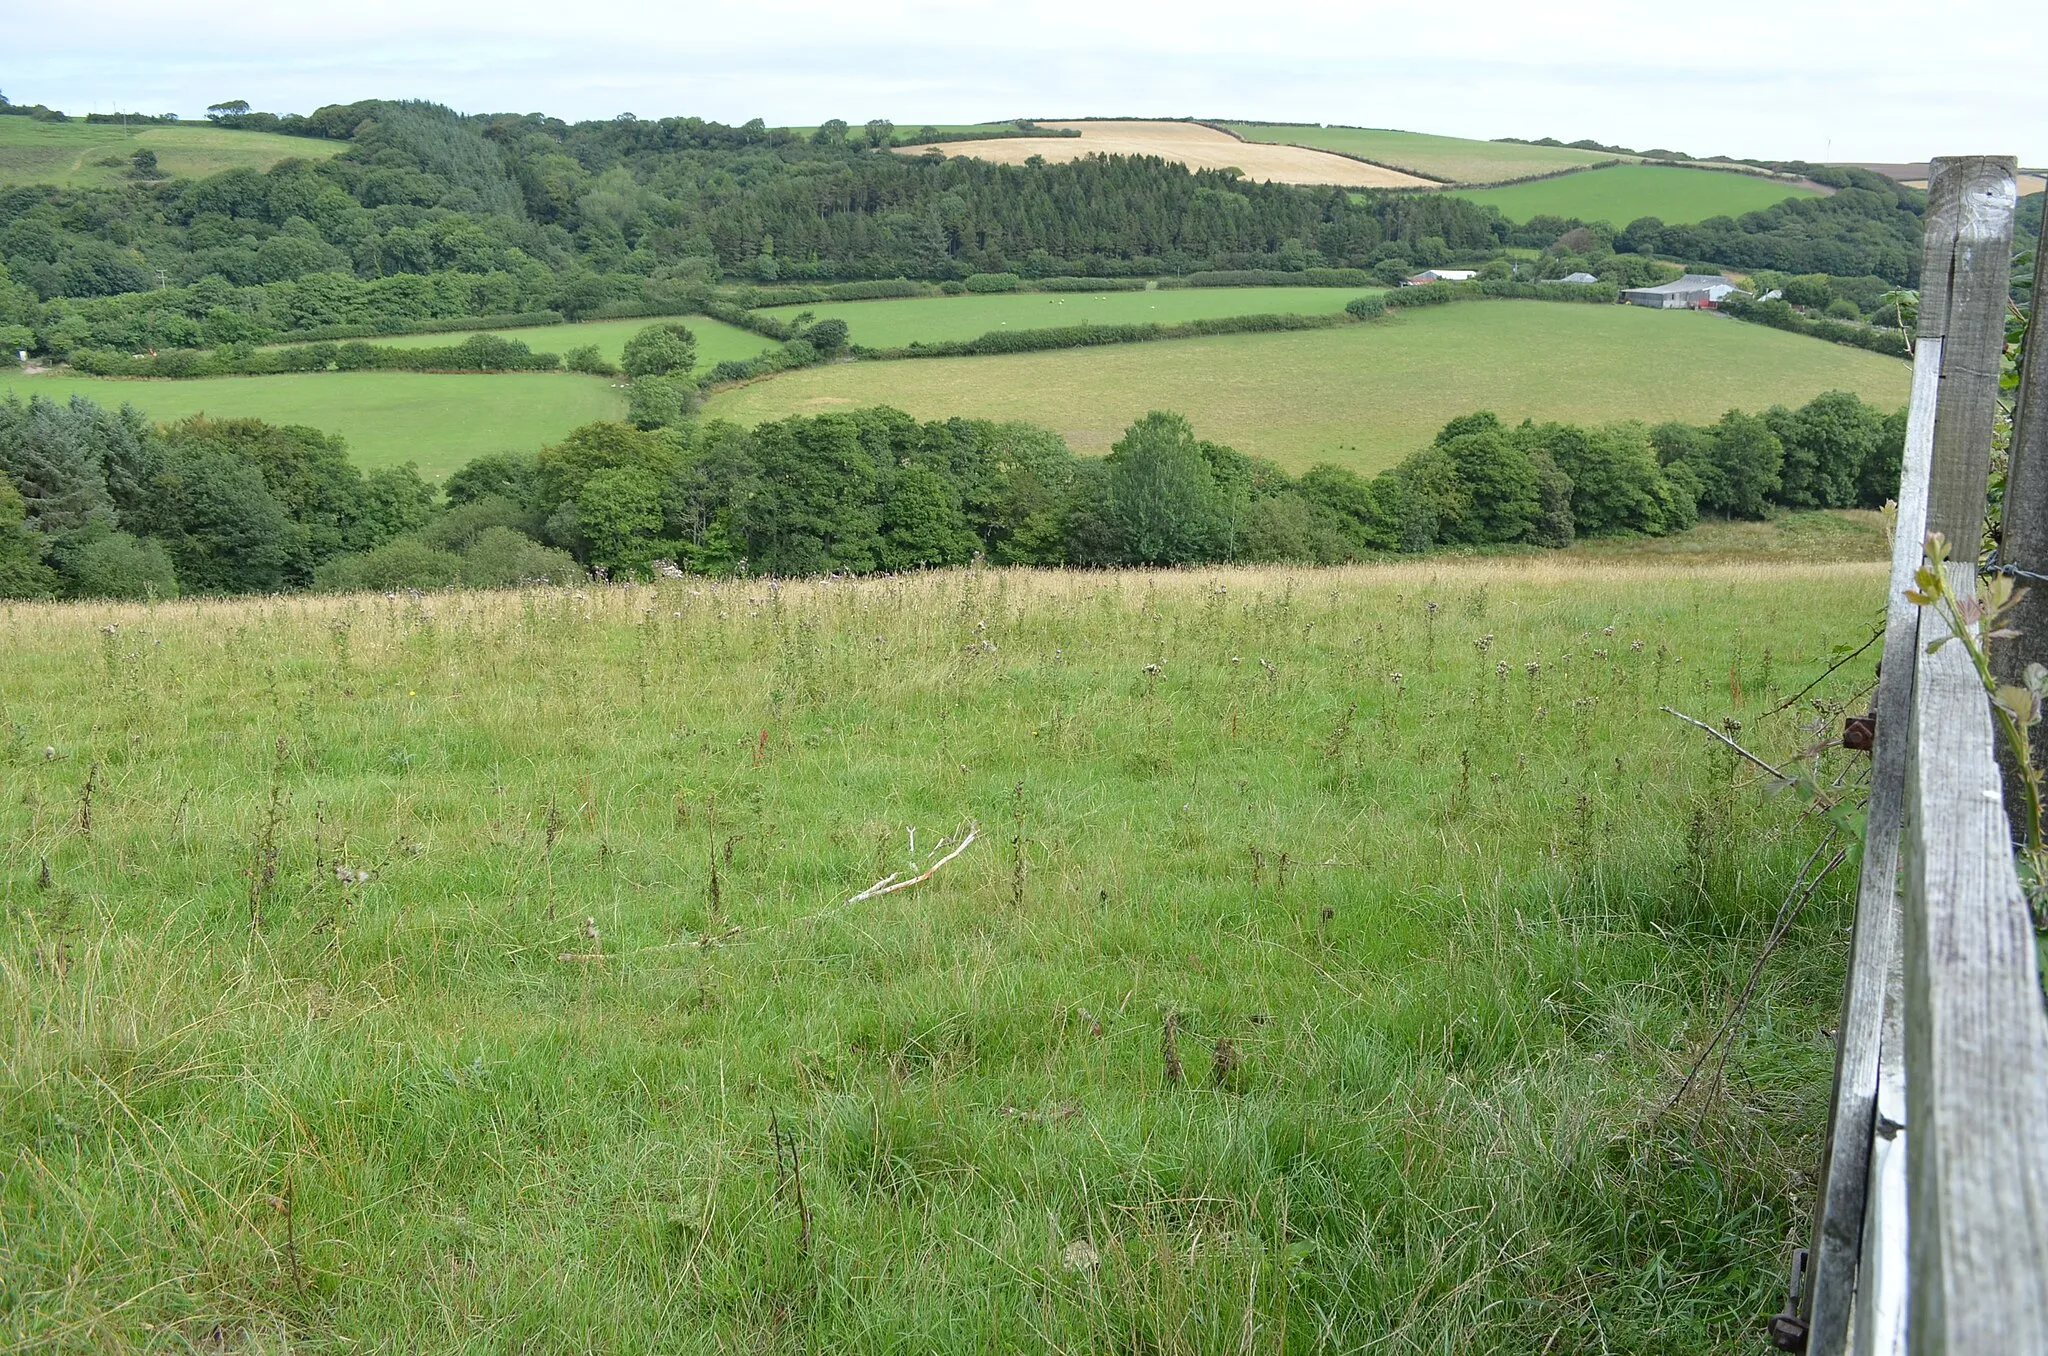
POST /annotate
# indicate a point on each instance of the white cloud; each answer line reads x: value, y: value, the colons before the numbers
x: 1819, y: 80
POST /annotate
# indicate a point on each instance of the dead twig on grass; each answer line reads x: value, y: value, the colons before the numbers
x: 889, y: 885
x: 1779, y: 773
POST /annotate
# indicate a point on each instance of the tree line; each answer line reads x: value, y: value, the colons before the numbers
x: 101, y: 504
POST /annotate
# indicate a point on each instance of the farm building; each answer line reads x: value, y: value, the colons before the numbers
x: 1430, y: 275
x: 1578, y: 278
x: 1694, y: 291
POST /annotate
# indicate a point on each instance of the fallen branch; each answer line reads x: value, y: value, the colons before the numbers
x: 1702, y: 725
x: 889, y: 885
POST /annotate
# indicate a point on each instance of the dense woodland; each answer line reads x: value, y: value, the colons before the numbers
x: 428, y: 215
x: 95, y: 503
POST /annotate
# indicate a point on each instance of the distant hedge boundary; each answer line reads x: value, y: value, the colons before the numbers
x: 1273, y: 277
x: 1089, y: 336
x: 478, y: 353
x: 1500, y: 289
x: 517, y: 320
x: 1780, y: 315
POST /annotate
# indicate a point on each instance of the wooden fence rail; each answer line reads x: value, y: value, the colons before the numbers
x: 1931, y: 1229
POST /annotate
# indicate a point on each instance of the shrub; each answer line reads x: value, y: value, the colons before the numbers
x: 588, y: 358
x: 1370, y: 307
x: 405, y: 563
x: 657, y: 402
x: 118, y: 565
x: 993, y: 282
x: 464, y: 523
x: 666, y: 350
x: 501, y: 558
x: 829, y: 335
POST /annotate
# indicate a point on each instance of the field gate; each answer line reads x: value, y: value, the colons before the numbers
x: 1931, y: 1226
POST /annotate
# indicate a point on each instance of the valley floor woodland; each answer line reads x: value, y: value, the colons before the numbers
x: 98, y: 503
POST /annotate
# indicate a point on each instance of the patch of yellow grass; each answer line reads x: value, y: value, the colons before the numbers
x: 1190, y: 144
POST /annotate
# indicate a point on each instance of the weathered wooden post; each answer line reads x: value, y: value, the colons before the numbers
x: 2023, y: 523
x: 1947, y: 459
x: 1976, y: 1033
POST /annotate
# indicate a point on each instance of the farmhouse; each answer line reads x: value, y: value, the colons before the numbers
x: 1694, y: 291
x: 1581, y: 277
x: 1430, y: 275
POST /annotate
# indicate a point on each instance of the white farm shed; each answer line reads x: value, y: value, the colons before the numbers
x: 1694, y: 291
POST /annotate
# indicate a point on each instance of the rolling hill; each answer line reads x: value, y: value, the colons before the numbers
x: 79, y: 154
x: 1456, y: 160
x: 1618, y: 194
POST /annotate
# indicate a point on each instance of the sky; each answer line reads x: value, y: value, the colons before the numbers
x: 1811, y: 79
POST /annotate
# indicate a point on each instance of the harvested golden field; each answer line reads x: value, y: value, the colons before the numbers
x: 1191, y: 144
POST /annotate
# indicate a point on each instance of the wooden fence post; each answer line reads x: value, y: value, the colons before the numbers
x: 1976, y: 1035
x: 1941, y: 489
x: 1837, y: 1244
x: 2023, y: 523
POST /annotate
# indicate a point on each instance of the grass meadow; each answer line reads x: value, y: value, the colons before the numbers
x: 439, y: 422
x: 1621, y: 193
x: 895, y: 322
x: 716, y: 340
x: 1363, y: 396
x: 482, y: 972
x: 1453, y: 159
x: 69, y: 154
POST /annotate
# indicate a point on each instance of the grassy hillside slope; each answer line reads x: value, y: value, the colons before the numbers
x: 70, y: 153
x: 543, y: 1018
x: 438, y: 422
x: 1621, y: 193
x: 896, y: 322
x: 1455, y: 159
x: 1362, y: 395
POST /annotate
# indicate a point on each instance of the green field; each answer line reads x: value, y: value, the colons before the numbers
x: 897, y: 322
x: 1362, y: 395
x: 1621, y: 193
x: 438, y: 422
x: 482, y: 973
x: 69, y: 153
x: 716, y: 341
x: 1454, y: 159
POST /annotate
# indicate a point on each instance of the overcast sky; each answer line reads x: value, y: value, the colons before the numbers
x: 1873, y: 80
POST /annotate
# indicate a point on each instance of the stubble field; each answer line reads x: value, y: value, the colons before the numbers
x: 1187, y: 143
x: 478, y: 972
